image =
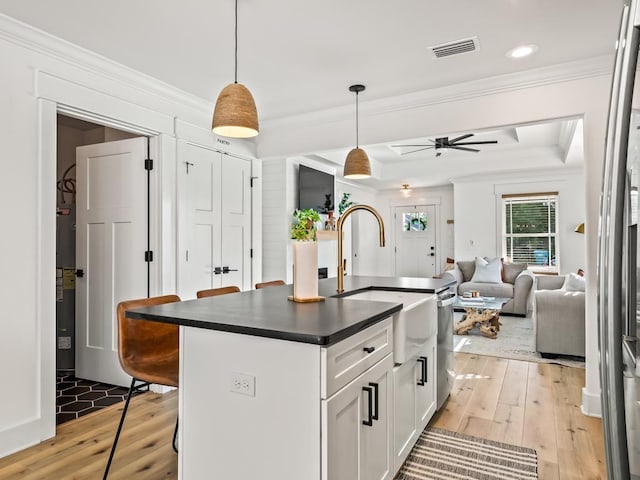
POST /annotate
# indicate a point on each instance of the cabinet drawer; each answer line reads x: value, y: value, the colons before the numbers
x: 344, y: 361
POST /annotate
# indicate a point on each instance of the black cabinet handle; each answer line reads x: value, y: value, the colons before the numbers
x: 79, y: 273
x: 369, y: 421
x: 377, y: 400
x: 423, y: 374
x: 227, y: 269
x: 217, y: 271
x: 369, y: 349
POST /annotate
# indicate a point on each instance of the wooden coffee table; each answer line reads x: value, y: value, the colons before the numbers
x: 481, y: 312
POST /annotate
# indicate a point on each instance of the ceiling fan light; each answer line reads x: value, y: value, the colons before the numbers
x: 357, y: 165
x: 235, y: 114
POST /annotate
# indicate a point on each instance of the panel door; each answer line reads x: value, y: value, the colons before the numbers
x: 216, y: 232
x: 416, y: 253
x: 111, y: 239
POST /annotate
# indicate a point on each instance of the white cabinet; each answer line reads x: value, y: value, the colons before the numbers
x: 414, y: 389
x: 357, y: 425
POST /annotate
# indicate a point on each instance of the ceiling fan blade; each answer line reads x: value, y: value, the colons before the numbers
x: 419, y: 150
x: 461, y: 137
x: 464, y: 148
x: 477, y: 143
x: 422, y: 145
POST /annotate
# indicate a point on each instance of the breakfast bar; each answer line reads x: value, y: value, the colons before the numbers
x: 274, y: 389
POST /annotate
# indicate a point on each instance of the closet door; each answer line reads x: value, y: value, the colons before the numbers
x: 215, y: 223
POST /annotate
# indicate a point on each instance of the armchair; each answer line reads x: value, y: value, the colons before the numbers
x: 559, y: 317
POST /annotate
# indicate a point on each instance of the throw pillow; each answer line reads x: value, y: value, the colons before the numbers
x: 573, y: 283
x: 487, y: 271
x: 512, y: 270
x: 467, y: 268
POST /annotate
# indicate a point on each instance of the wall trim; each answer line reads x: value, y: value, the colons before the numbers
x: 591, y: 404
x: 19, y: 437
x: 565, y: 72
x: 32, y: 38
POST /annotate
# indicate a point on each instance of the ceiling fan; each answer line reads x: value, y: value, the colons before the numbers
x: 442, y: 143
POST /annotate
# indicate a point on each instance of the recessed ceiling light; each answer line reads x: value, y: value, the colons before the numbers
x: 522, y: 51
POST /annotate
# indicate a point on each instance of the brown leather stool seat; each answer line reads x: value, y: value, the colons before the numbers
x: 149, y: 352
x: 214, y: 292
x: 272, y: 283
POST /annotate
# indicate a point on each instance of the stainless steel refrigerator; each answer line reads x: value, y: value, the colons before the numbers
x: 618, y: 272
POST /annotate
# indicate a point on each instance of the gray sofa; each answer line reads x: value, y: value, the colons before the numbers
x: 516, y: 285
x: 558, y: 318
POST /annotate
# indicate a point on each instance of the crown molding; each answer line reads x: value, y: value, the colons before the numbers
x: 565, y: 72
x: 36, y: 40
x: 551, y: 173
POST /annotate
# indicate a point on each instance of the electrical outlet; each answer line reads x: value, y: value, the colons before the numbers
x: 243, y: 384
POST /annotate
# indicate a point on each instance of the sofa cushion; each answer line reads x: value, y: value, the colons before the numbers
x: 573, y: 283
x: 467, y: 267
x: 512, y: 270
x: 487, y: 271
x: 504, y: 290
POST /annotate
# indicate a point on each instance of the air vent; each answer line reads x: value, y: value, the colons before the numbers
x: 455, y: 48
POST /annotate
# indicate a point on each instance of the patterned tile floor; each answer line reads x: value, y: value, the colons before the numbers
x: 76, y: 397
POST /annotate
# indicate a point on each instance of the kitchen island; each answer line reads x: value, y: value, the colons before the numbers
x: 273, y: 389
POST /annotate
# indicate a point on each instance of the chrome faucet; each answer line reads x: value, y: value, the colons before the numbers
x: 341, y: 220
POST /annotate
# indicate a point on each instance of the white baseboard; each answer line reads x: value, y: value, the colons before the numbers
x: 591, y: 405
x: 21, y: 436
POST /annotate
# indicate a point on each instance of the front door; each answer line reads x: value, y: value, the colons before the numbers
x: 217, y: 231
x: 111, y: 240
x: 416, y: 252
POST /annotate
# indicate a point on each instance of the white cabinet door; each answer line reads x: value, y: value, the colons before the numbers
x: 355, y: 445
x: 405, y: 384
x: 426, y: 390
x: 215, y: 225
x: 111, y: 240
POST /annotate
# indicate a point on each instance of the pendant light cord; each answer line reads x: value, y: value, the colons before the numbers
x: 236, y: 52
x: 357, y: 143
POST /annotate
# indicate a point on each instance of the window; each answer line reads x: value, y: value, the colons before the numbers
x: 414, y: 221
x: 530, y: 232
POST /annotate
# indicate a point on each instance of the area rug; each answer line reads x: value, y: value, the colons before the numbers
x: 440, y: 454
x: 515, y: 341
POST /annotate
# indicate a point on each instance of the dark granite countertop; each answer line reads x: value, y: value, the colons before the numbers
x: 268, y: 313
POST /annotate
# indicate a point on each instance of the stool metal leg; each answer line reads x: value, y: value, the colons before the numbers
x: 175, y: 437
x: 115, y: 440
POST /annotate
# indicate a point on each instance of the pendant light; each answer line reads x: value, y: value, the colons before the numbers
x: 357, y: 164
x: 235, y: 114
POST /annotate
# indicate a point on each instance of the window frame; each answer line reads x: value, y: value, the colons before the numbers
x: 534, y: 196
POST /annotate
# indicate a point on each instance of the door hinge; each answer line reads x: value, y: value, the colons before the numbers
x: 148, y: 164
x: 188, y: 164
x: 251, y: 179
x: 187, y: 255
x: 148, y: 256
x: 251, y: 253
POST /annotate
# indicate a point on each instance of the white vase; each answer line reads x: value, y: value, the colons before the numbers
x: 305, y: 270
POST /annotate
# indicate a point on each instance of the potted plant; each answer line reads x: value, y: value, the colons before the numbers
x: 344, y: 203
x: 304, y: 227
x: 305, y: 255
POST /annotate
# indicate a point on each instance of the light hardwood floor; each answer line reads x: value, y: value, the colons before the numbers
x: 529, y: 404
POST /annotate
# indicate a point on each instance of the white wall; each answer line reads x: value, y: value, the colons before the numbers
x: 478, y: 221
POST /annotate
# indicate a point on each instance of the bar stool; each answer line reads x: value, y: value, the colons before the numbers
x: 272, y: 283
x: 214, y: 292
x: 149, y: 352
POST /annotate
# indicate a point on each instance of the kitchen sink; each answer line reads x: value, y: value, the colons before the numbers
x: 413, y: 325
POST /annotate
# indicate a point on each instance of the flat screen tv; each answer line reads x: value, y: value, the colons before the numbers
x: 315, y: 190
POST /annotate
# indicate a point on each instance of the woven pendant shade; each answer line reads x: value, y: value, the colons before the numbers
x: 235, y: 114
x: 357, y: 165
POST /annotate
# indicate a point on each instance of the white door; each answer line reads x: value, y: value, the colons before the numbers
x: 216, y: 241
x: 111, y: 240
x: 415, y: 228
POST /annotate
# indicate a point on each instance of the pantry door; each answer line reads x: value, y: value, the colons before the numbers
x: 415, y: 232
x: 216, y: 242
x: 111, y: 240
